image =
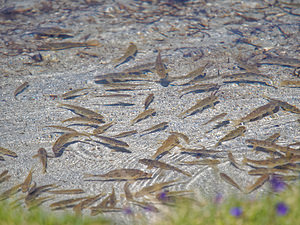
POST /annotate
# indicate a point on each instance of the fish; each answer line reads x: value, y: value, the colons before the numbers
x: 267, y: 162
x: 123, y: 76
x: 258, y: 183
x: 193, y: 74
x: 284, y: 105
x: 52, y: 32
x: 8, y: 193
x: 130, y: 52
x: 123, y: 174
x: 112, y: 141
x: 202, y: 162
x: 84, y: 120
x: 123, y: 85
x: 53, y: 46
x: 3, y: 174
x: 219, y: 116
x: 157, y: 127
x: 62, y: 128
x: 148, y: 101
x: 26, y: 184
x: 72, y: 93
x: 115, y: 96
x: 263, y: 171
x: 38, y: 201
x: 219, y: 125
x: 154, y: 188
x: 64, y: 139
x: 103, y: 128
x: 125, y: 134
x: 282, y: 61
x: 199, y: 88
x: 146, y: 206
x: 143, y: 115
x: 35, y: 191
x: 229, y: 180
x: 232, y: 134
x: 8, y: 152
x: 159, y: 67
x: 182, y: 136
x: 42, y: 155
x: 21, y: 88
x: 67, y: 191
x: 86, y: 202
x: 258, y: 113
x: 290, y: 83
x: 3, y: 177
x: 199, y: 106
x: 246, y: 75
x: 66, y: 203
x: 83, y: 111
x: 120, y: 104
x: 166, y: 146
x: 246, y: 66
x: 158, y: 164
x: 271, y: 146
x: 232, y: 160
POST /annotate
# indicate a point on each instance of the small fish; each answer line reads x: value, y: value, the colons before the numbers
x: 84, y: 120
x: 200, y: 105
x: 86, y: 202
x: 65, y: 203
x: 166, y: 146
x: 67, y: 191
x: 158, y: 164
x: 4, y: 178
x: 112, y: 141
x: 232, y: 134
x: 219, y: 116
x: 159, y: 67
x: 52, y: 32
x: 72, y: 93
x: 229, y: 180
x: 258, y: 113
x: 103, y: 128
x: 38, y: 201
x: 64, y: 139
x: 232, y: 160
x: 268, y: 162
x: 148, y: 101
x: 26, y: 184
x: 271, y: 146
x: 182, y: 136
x: 42, y: 155
x: 62, y: 128
x: 219, y: 125
x: 202, y: 162
x: 125, y: 134
x: 246, y: 75
x: 3, y: 174
x: 8, y: 193
x: 290, y: 83
x: 123, y: 174
x: 258, y: 183
x: 130, y: 52
x: 263, y: 171
x: 115, y: 96
x: 7, y: 152
x: 21, y: 88
x: 199, y: 88
x: 123, y: 76
x: 143, y: 115
x: 146, y: 206
x: 35, y: 191
x: 282, y: 61
x: 284, y: 105
x: 83, y: 111
x: 120, y: 104
x: 53, y: 46
x: 157, y: 127
x: 193, y: 74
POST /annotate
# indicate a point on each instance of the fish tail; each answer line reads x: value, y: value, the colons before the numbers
x: 244, y: 161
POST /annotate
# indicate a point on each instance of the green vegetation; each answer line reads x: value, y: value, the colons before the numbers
x: 279, y: 206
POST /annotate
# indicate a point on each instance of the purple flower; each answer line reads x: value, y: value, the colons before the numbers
x: 127, y: 211
x: 277, y: 184
x: 218, y: 198
x: 236, y: 211
x: 281, y: 209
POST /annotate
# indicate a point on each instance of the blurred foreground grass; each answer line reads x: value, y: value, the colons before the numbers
x: 276, y: 207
